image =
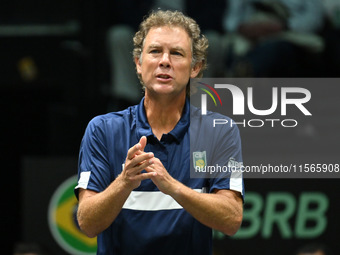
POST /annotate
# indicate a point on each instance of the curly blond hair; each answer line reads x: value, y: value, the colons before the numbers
x: 173, y: 19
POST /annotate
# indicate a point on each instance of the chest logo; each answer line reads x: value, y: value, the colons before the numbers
x: 199, y: 159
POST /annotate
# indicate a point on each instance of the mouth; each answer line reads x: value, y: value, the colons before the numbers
x: 163, y: 77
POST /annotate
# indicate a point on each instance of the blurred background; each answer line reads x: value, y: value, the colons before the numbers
x: 64, y: 62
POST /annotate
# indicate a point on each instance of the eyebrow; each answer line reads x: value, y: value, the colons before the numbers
x: 154, y: 46
x: 159, y: 46
x: 178, y: 48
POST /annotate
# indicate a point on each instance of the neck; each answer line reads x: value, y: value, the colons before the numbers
x: 163, y: 113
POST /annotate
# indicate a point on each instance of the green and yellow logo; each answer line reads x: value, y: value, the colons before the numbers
x: 63, y: 223
x: 200, y: 159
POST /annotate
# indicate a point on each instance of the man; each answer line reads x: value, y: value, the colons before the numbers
x: 135, y: 191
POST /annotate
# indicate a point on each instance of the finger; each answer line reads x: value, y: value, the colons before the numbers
x: 145, y: 176
x: 138, y: 159
x: 136, y: 165
x: 139, y: 168
x: 150, y: 169
x: 133, y: 150
x: 143, y: 142
x: 157, y: 162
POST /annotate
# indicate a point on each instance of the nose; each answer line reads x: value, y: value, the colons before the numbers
x: 165, y: 60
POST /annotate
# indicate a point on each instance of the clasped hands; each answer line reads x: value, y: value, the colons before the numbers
x: 137, y: 160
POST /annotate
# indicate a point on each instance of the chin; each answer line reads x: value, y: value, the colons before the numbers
x: 163, y: 88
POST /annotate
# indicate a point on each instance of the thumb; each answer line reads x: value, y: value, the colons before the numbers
x: 142, y: 142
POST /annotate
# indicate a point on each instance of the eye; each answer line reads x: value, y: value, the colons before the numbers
x: 176, y: 53
x: 154, y: 51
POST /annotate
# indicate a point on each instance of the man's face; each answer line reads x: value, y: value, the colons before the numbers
x: 165, y: 64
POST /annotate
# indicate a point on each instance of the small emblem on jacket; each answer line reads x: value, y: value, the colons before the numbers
x: 199, y: 159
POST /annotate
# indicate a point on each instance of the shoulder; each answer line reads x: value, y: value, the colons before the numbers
x: 111, y: 125
x: 113, y: 119
x: 213, y: 121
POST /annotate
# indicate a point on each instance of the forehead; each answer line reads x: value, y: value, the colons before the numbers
x: 168, y: 36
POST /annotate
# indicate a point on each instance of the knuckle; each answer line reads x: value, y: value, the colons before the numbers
x: 130, y: 150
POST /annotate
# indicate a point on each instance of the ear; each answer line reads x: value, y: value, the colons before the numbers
x: 138, y: 66
x: 196, y: 69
